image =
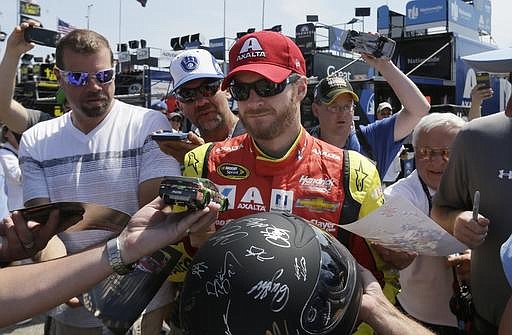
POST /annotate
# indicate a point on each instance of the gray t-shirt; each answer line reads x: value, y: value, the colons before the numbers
x: 36, y: 116
x: 481, y: 160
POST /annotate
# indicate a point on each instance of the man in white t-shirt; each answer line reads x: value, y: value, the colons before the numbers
x: 426, y: 284
x: 99, y: 152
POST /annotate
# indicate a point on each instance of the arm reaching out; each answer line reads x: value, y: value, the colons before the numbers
x: 415, y: 105
x: 58, y: 280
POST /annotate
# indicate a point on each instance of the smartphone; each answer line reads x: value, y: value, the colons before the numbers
x: 40, y: 213
x: 377, y: 45
x: 168, y: 135
x: 483, y: 78
x: 45, y: 37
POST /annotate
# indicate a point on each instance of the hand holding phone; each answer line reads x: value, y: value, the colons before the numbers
x: 42, y: 36
x: 168, y: 135
x: 40, y: 213
x: 483, y: 78
x: 178, y: 149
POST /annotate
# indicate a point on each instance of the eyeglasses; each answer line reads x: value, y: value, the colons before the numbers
x: 263, y: 87
x: 76, y: 78
x: 340, y: 108
x: 207, y: 89
x: 427, y: 153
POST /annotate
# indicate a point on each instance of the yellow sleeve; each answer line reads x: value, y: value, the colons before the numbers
x: 365, y: 188
x: 193, y: 163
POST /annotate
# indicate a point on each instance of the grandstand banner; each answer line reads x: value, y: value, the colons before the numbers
x: 28, y: 8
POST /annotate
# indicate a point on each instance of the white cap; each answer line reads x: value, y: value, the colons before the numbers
x: 193, y: 64
x: 384, y: 105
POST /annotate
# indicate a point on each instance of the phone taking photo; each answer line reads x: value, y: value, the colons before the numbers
x: 168, y: 135
x: 45, y: 37
x: 41, y: 213
x: 483, y: 78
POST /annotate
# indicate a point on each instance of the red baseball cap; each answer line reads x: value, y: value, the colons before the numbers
x: 267, y: 53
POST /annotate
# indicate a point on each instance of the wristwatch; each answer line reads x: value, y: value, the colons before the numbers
x: 115, y: 260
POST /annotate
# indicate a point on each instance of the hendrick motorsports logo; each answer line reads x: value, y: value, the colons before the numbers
x: 323, y: 185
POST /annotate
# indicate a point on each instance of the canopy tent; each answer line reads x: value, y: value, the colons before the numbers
x: 496, y: 61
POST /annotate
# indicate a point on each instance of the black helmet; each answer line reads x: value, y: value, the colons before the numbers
x: 271, y: 273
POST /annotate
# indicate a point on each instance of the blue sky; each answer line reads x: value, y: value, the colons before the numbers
x: 162, y: 19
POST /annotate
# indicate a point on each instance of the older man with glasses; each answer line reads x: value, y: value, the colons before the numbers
x: 277, y: 165
x: 427, y: 282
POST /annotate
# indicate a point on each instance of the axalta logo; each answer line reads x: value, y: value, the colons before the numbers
x: 228, y: 148
x: 233, y: 171
x: 324, y: 224
x: 326, y: 154
x: 252, y: 201
x: 250, y: 49
x: 317, y: 184
x: 317, y: 205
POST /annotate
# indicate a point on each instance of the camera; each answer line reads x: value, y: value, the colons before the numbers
x: 45, y: 37
x: 376, y: 45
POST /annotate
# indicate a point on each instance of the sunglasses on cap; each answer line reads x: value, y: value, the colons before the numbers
x: 427, y: 153
x: 206, y: 89
x: 263, y: 87
x: 77, y: 78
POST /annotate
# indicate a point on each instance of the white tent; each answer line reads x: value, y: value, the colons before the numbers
x: 496, y: 61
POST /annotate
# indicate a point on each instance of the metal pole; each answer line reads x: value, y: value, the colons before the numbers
x: 225, y: 64
x: 119, y: 28
x: 88, y: 14
x: 263, y: 16
x: 428, y: 58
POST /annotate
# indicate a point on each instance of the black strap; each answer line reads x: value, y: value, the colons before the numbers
x: 364, y: 143
x: 8, y: 149
x: 350, y: 211
x: 427, y: 194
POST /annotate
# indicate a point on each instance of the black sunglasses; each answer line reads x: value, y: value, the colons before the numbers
x: 207, y: 89
x: 263, y: 87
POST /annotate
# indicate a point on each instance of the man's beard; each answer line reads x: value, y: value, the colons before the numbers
x: 281, y: 122
x: 96, y: 111
x: 211, y: 124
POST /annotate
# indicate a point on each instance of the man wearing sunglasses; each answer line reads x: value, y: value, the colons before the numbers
x: 277, y: 165
x: 99, y: 152
x: 196, y: 79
